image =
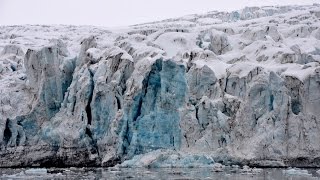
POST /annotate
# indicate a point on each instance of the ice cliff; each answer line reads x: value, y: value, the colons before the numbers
x: 235, y: 88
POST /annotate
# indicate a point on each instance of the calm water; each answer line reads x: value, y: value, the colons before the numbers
x: 160, y: 173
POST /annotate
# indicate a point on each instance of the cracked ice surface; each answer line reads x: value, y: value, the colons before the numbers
x: 233, y: 88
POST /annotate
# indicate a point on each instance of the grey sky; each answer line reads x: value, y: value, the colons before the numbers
x: 116, y: 12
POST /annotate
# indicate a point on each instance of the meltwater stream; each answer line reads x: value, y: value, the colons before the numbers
x: 158, y: 173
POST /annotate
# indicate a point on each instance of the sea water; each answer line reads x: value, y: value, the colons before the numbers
x: 156, y: 173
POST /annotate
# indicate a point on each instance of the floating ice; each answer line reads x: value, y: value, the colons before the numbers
x: 296, y: 172
x: 36, y: 171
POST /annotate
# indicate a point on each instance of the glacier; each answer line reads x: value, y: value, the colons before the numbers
x: 235, y: 88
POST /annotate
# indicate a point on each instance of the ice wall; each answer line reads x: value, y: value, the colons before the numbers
x: 243, y: 90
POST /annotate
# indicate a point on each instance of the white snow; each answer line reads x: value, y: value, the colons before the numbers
x: 209, y: 21
x: 173, y: 43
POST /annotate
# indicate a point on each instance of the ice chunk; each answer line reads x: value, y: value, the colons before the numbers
x: 296, y: 172
x: 36, y: 171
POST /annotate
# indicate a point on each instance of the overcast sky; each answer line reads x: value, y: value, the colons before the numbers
x: 112, y: 13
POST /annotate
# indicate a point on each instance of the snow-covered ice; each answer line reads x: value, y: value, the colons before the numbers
x: 235, y: 88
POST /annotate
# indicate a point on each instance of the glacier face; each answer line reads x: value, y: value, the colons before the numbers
x: 234, y: 88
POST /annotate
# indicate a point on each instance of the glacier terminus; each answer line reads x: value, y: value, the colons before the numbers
x: 235, y: 88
